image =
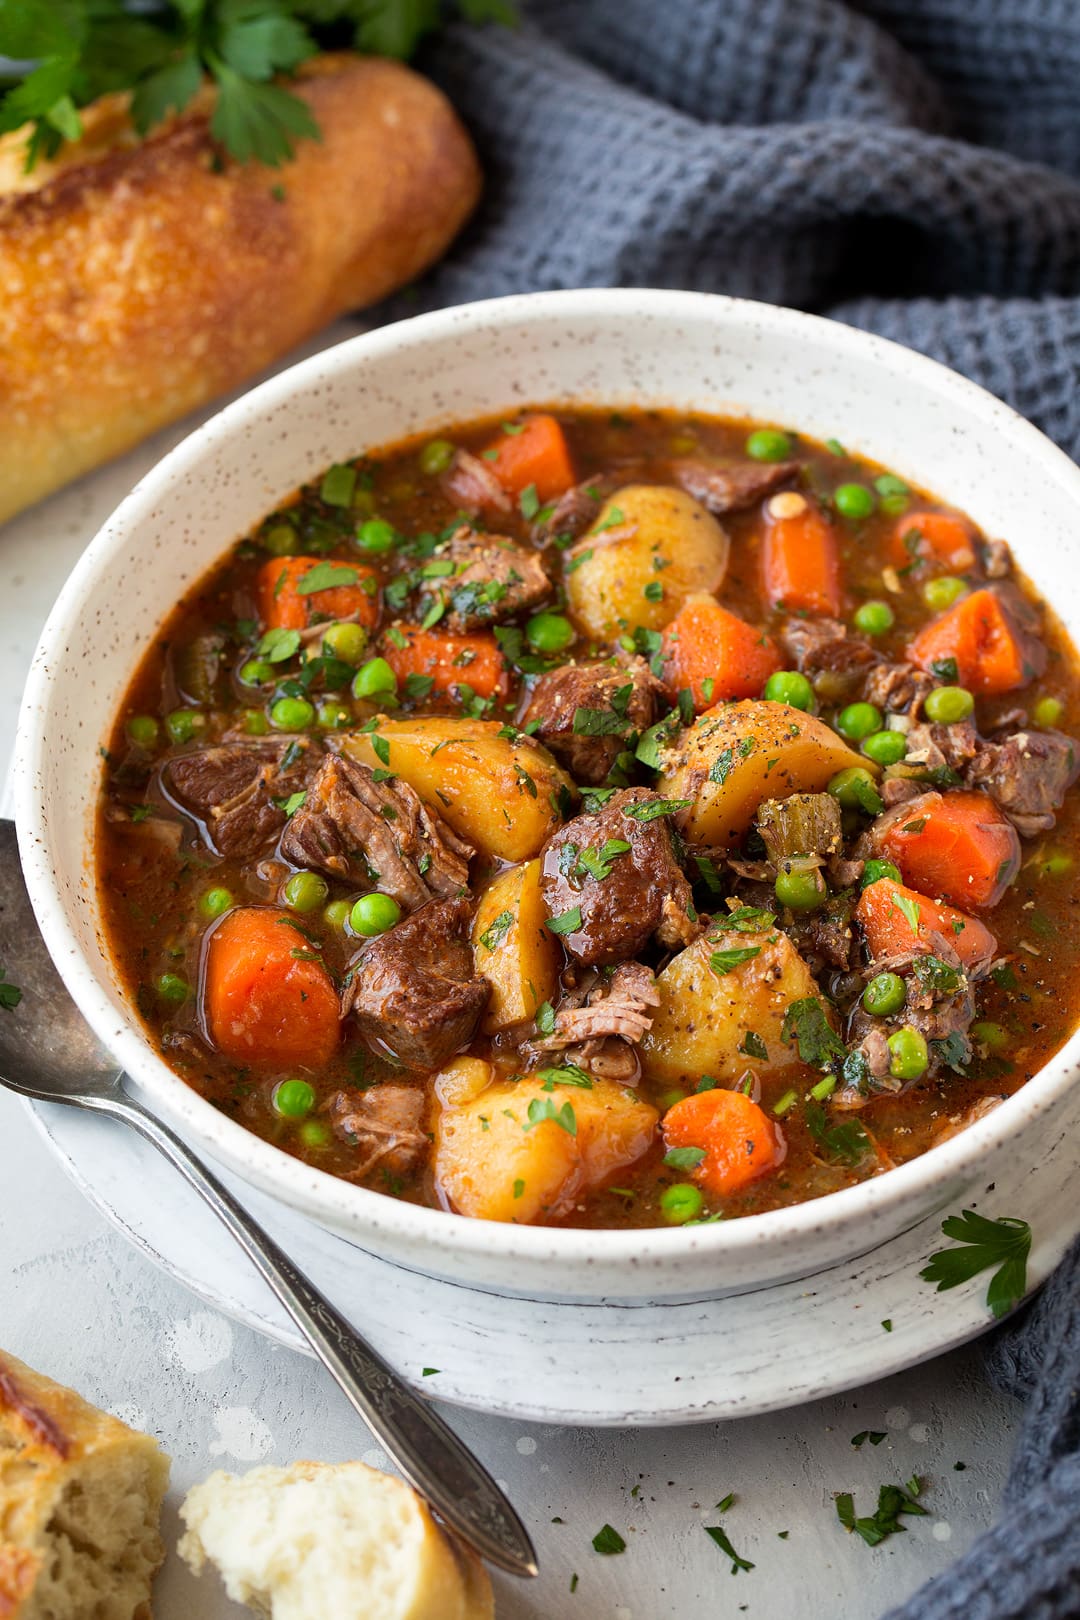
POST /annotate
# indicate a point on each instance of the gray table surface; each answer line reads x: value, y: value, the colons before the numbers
x: 79, y: 1302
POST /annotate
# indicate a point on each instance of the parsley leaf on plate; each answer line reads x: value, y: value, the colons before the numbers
x: 1004, y: 1243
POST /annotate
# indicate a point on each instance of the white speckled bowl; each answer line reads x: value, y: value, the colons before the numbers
x: 628, y: 347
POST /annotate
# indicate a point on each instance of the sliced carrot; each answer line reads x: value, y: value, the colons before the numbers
x: 535, y: 454
x: 956, y: 845
x: 264, y: 1000
x: 714, y: 653
x: 939, y: 537
x: 800, y: 557
x: 991, y: 653
x: 448, y: 661
x: 283, y: 606
x: 740, y: 1141
x: 896, y: 920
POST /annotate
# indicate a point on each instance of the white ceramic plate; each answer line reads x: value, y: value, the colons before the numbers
x: 622, y: 1365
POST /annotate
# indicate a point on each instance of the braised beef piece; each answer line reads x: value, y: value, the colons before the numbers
x: 234, y: 789
x: 386, y: 1125
x: 598, y: 1024
x: 898, y: 688
x: 733, y: 485
x: 997, y: 559
x: 493, y: 579
x: 470, y: 483
x: 940, y: 1004
x: 571, y: 706
x: 937, y: 750
x: 826, y: 938
x: 634, y: 890
x: 1026, y: 620
x: 832, y: 659
x: 896, y: 790
x: 1027, y: 775
x: 573, y: 512
x: 376, y: 835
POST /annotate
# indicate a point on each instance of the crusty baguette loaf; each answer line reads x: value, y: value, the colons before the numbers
x: 315, y: 1542
x: 80, y: 1499
x: 137, y: 282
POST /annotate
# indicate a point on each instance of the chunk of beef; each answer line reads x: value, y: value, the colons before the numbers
x: 833, y: 660
x: 825, y: 938
x: 376, y: 834
x: 233, y: 790
x: 414, y: 991
x: 619, y: 694
x: 385, y: 1124
x: 898, y: 688
x: 598, y: 1026
x: 997, y: 559
x: 635, y: 889
x: 939, y: 1003
x: 471, y: 484
x: 731, y: 486
x: 937, y: 750
x: 493, y: 579
x: 899, y: 790
x: 574, y: 511
x: 1027, y: 775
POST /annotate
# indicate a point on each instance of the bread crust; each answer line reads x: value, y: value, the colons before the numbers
x: 54, y: 1443
x: 138, y: 279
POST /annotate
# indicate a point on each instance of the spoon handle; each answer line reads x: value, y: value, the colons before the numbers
x: 427, y: 1451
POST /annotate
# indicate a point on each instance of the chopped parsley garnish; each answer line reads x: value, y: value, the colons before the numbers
x: 937, y: 976
x: 844, y: 1139
x: 684, y: 1158
x: 566, y: 1074
x: 545, y: 1018
x: 292, y: 804
x: 381, y: 748
x: 568, y: 922
x: 10, y: 994
x: 747, y: 920
x: 529, y: 502
x: 945, y: 670
x: 721, y: 766
x: 909, y: 909
x: 727, y: 961
x: 615, y: 516
x: 278, y: 645
x: 494, y: 935
x: 326, y: 576
x: 598, y: 863
x: 595, y: 798
x: 875, y: 1437
x: 753, y: 1046
x: 543, y: 1108
x: 429, y: 1372
x: 598, y: 723
x: 418, y: 686
x: 608, y: 1540
x: 725, y: 1546
x: 654, y: 591
x: 893, y: 1500
x: 1004, y: 1243
x: 805, y: 1024
x: 659, y: 807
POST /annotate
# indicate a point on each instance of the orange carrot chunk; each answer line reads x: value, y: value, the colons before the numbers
x: 447, y: 661
x: 938, y: 537
x: 956, y: 845
x: 991, y: 653
x: 739, y: 1139
x: 800, y: 557
x: 714, y: 653
x: 537, y: 454
x: 285, y: 605
x: 896, y: 921
x: 264, y: 1000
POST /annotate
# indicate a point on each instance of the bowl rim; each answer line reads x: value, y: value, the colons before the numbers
x: 327, y: 1198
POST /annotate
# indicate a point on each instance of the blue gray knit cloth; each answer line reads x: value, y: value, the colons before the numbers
x: 909, y: 166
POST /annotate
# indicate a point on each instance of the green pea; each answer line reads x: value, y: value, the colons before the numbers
x: 857, y: 721
x: 291, y: 714
x: 294, y: 1098
x: 346, y: 641
x: 143, y: 730
x: 948, y: 704
x: 256, y: 672
x: 908, y: 1055
x: 172, y: 987
x: 1047, y: 712
x: 681, y: 1203
x: 373, y: 914
x: 855, y: 789
x: 874, y: 618
x: 314, y: 1135
x: 549, y: 632
x: 668, y: 1099
x: 282, y: 540
x: 336, y: 915
x: 215, y: 902
x: 255, y: 723
x: 884, y: 995
x: 374, y: 679
x: 987, y: 1033
x: 183, y: 724
x: 874, y: 871
x: 788, y: 686
x: 803, y: 889
x: 885, y: 747
x: 769, y: 444
x: 334, y: 717
x: 939, y: 594
x: 854, y: 501
x: 305, y: 891
x: 376, y: 536
x: 436, y: 456
x: 1056, y: 864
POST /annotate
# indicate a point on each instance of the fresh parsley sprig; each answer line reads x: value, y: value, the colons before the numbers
x: 1004, y: 1243
x: 72, y: 51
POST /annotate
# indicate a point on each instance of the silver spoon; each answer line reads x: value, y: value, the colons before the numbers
x: 48, y: 1052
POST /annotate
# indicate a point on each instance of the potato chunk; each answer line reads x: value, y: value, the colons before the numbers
x: 650, y: 548
x: 495, y: 1163
x: 704, y: 1015
x: 499, y: 794
x: 513, y: 949
x: 736, y: 755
